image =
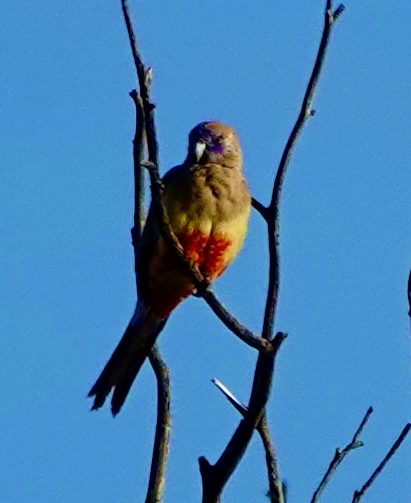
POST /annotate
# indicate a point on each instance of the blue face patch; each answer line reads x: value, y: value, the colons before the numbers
x: 216, y: 146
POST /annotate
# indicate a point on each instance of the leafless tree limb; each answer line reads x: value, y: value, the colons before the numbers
x: 409, y: 294
x: 214, y: 477
x: 273, y: 220
x: 162, y: 435
x: 276, y: 492
x: 359, y: 494
x: 340, y: 455
x: 138, y: 156
x: 235, y: 326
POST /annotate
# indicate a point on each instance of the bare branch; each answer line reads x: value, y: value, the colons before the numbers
x: 359, y: 494
x: 162, y: 436
x: 409, y: 293
x: 274, y: 208
x: 138, y: 155
x: 144, y: 79
x: 232, y: 324
x: 276, y: 492
x: 214, y: 477
x: 340, y: 455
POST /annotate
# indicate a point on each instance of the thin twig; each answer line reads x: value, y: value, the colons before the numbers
x: 144, y: 80
x: 359, y: 494
x: 276, y: 492
x: 409, y: 294
x: 340, y: 455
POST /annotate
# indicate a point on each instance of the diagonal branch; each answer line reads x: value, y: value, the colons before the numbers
x: 359, y: 494
x: 234, y: 325
x: 215, y: 477
x: 340, y: 455
x: 276, y: 492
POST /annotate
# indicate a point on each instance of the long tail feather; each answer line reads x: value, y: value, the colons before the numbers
x: 121, y: 390
x: 127, y: 359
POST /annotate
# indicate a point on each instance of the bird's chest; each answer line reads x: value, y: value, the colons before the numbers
x: 204, y: 213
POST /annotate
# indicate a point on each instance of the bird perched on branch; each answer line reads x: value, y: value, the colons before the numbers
x: 208, y: 205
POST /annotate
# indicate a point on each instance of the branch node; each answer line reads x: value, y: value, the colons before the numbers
x: 340, y: 455
x: 263, y: 210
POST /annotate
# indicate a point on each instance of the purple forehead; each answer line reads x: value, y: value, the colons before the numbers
x: 202, y: 131
x: 212, y: 137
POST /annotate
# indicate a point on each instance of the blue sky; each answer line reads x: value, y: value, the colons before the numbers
x: 67, y: 288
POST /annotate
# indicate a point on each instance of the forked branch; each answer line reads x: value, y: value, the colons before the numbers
x: 276, y: 492
x: 339, y: 456
x: 215, y: 477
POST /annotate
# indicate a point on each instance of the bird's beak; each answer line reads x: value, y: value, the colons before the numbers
x: 199, y: 150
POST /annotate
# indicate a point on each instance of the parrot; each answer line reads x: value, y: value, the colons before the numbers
x: 208, y: 204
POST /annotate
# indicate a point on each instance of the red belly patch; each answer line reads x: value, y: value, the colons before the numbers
x: 167, y: 290
x: 207, y: 251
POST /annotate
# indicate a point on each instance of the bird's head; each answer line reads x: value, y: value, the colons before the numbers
x: 213, y: 142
